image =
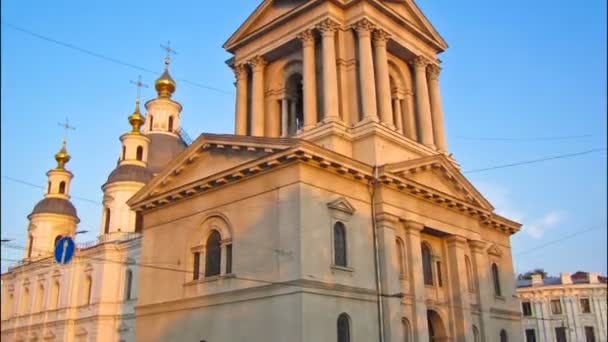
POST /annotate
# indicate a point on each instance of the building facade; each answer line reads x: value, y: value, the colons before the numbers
x: 335, y: 212
x: 93, y: 297
x: 566, y: 308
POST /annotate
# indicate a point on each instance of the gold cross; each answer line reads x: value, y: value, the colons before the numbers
x: 169, y: 52
x: 66, y: 127
x: 139, y: 85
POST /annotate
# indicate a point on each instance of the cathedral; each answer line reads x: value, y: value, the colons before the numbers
x: 335, y: 212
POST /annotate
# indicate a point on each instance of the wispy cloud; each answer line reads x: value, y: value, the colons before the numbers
x: 533, y: 225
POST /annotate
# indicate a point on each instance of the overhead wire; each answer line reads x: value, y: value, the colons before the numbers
x: 107, y: 58
x: 541, y: 246
x: 523, y: 139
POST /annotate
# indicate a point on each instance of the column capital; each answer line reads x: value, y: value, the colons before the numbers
x: 419, y: 62
x: 380, y: 37
x: 477, y: 245
x: 257, y: 63
x: 413, y: 226
x: 387, y: 219
x: 456, y: 241
x: 328, y: 27
x: 240, y: 71
x: 307, y: 37
x: 433, y: 71
x: 364, y: 26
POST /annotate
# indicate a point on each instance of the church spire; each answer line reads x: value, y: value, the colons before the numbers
x: 165, y: 85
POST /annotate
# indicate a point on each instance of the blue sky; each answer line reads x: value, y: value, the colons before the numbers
x: 516, y: 69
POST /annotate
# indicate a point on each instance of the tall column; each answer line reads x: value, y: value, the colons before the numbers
x: 436, y: 110
x: 409, y: 117
x: 417, y: 289
x: 366, y: 70
x: 383, y: 84
x: 258, y: 65
x: 398, y: 114
x: 484, y: 284
x: 460, y: 291
x: 240, y: 122
x: 330, y: 74
x: 309, y: 79
x: 422, y: 102
x: 284, y: 118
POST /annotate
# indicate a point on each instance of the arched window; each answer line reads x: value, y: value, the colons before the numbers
x: 62, y: 187
x: 427, y: 264
x: 140, y: 153
x: 128, y: 281
x: 171, y: 124
x: 294, y: 105
x: 213, y: 255
x: 476, y: 337
x: 496, y: 279
x: 139, y: 222
x: 340, y: 244
x: 196, y: 267
x: 39, y: 298
x: 88, y: 287
x: 470, y: 281
x: 25, y: 301
x: 343, y: 328
x: 30, y: 246
x: 401, y: 256
x: 55, y: 296
x: 124, y: 152
x: 151, y: 122
x: 407, y: 330
x: 48, y: 187
x: 57, y: 238
x: 503, y: 336
x: 106, y: 227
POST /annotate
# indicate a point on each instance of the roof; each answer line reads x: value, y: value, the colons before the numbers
x: 129, y: 173
x: 58, y: 206
x: 164, y: 148
x: 577, y: 278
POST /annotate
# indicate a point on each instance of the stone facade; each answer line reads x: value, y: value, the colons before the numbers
x: 570, y: 307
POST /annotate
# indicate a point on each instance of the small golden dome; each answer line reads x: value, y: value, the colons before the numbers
x: 136, y: 119
x: 165, y: 85
x: 62, y: 157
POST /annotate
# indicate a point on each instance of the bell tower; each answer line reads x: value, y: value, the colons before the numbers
x: 358, y: 77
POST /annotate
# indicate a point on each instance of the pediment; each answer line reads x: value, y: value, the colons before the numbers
x: 208, y: 155
x: 410, y: 12
x: 123, y: 327
x: 437, y: 172
x: 495, y: 250
x: 342, y: 204
x: 267, y: 12
x: 80, y: 331
x: 48, y: 335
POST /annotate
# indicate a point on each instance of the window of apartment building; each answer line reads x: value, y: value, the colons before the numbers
x: 526, y: 308
x: 530, y: 335
x: 560, y: 334
x: 589, y: 334
x: 213, y: 255
x: 556, y: 307
x: 585, y: 306
x: 427, y: 265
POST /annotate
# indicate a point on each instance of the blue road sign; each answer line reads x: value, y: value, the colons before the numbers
x: 64, y: 250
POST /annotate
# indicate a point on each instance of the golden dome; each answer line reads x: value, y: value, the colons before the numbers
x: 62, y: 157
x: 165, y: 85
x: 136, y: 119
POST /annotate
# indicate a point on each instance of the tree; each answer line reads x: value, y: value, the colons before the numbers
x: 528, y: 275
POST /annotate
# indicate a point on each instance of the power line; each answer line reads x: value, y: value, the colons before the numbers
x: 541, y: 246
x: 107, y: 58
x: 43, y: 188
x: 549, y: 138
x: 536, y: 160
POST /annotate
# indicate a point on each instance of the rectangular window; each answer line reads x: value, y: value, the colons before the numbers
x: 530, y: 335
x: 556, y: 307
x: 196, y: 268
x: 228, y: 259
x: 589, y: 334
x: 439, y: 280
x: 585, y: 306
x: 560, y: 334
x: 526, y: 308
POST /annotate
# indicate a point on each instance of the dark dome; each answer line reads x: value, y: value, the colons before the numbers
x: 163, y: 149
x: 58, y: 206
x: 129, y: 173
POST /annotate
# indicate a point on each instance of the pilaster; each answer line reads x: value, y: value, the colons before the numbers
x: 484, y: 285
x: 417, y: 289
x: 460, y: 293
x: 389, y: 273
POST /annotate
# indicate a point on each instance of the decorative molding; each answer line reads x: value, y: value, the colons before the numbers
x: 364, y: 26
x: 433, y: 71
x: 123, y: 328
x: 80, y: 331
x: 48, y: 335
x: 240, y: 71
x: 307, y: 37
x: 328, y: 27
x: 257, y: 63
x: 380, y: 37
x: 495, y: 250
x: 342, y: 204
x: 419, y: 62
